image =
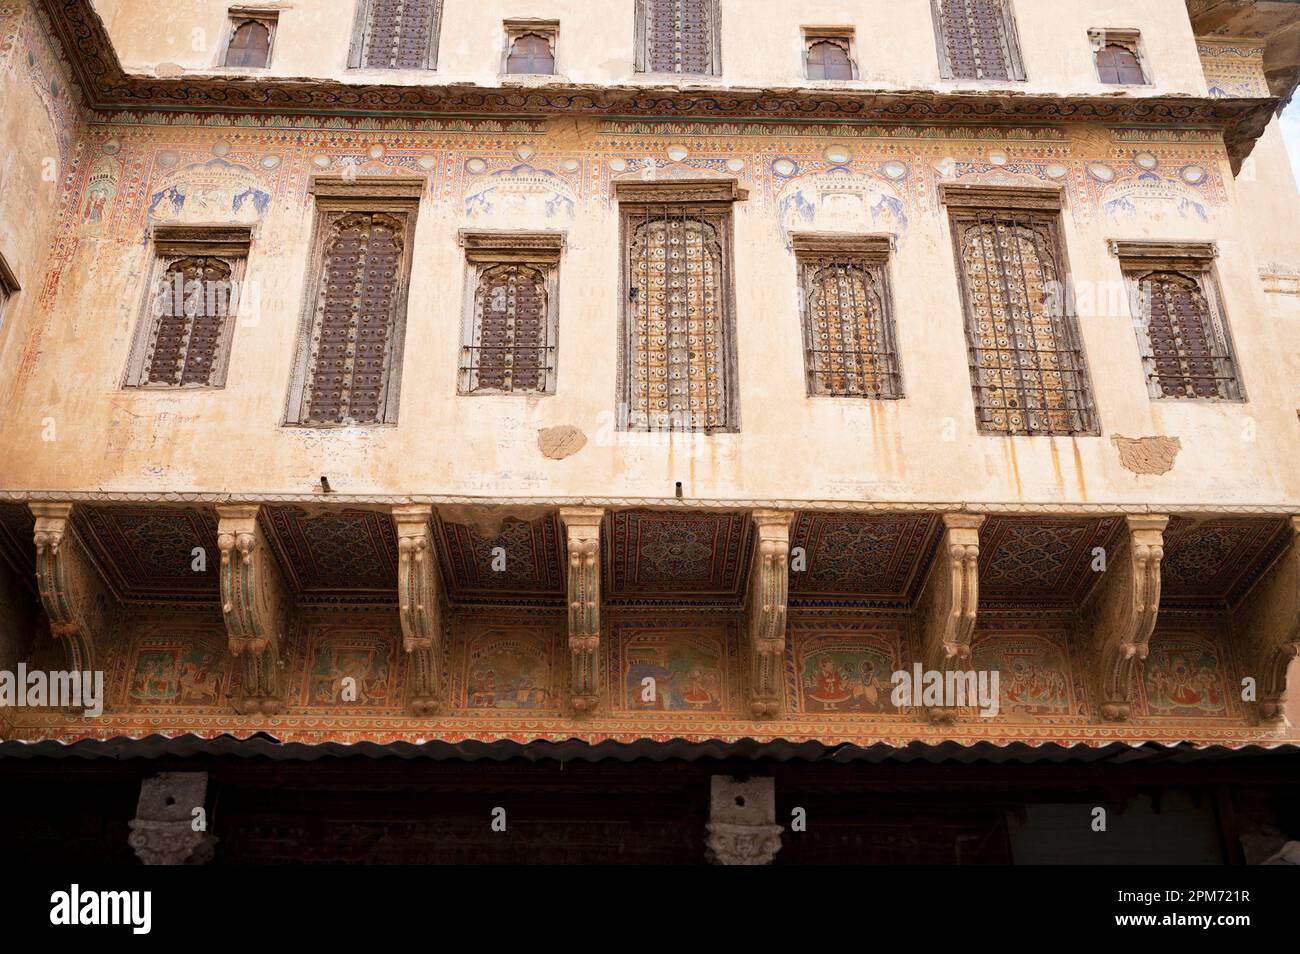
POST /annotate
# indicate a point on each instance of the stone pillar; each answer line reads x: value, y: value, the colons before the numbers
x: 742, y: 821
x: 162, y: 832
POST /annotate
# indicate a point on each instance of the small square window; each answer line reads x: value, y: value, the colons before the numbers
x: 829, y: 55
x: 252, y: 33
x: 1118, y: 57
x: 530, y: 47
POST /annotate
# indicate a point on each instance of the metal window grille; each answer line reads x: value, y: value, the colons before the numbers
x: 977, y: 39
x: 1027, y: 366
x: 680, y: 36
x: 399, y: 34
x: 678, y: 352
x: 848, y: 330
x: 511, y: 341
x: 1186, y: 351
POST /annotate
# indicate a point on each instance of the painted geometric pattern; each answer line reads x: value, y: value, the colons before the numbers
x: 877, y: 558
x: 533, y: 560
x: 1040, y: 559
x: 340, y: 555
x: 148, y: 552
x: 661, y: 555
x: 510, y: 667
x: 1035, y: 675
x: 679, y: 668
x: 1187, y: 675
x: 1233, y: 70
x: 843, y: 666
x: 1218, y: 560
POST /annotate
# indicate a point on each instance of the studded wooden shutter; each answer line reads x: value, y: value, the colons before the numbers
x: 400, y: 34
x: 360, y: 289
x: 680, y: 36
x: 1026, y: 365
x: 1185, y: 349
x: 848, y: 337
x: 193, y: 307
x: 977, y: 40
x: 678, y: 356
x: 510, y: 349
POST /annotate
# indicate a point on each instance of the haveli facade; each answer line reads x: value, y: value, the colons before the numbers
x: 744, y: 347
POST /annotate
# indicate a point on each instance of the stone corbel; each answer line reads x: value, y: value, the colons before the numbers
x: 582, y: 526
x: 1266, y: 624
x: 255, y: 605
x: 948, y: 602
x: 163, y: 830
x: 75, y: 598
x: 769, y: 587
x: 1122, y: 614
x: 419, y: 597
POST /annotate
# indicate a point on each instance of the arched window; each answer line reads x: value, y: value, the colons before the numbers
x: 829, y: 60
x: 530, y: 53
x: 250, y: 44
x: 1119, y: 65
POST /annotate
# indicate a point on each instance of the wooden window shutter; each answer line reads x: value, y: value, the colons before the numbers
x: 250, y: 45
x: 530, y: 53
x: 828, y: 59
x: 679, y: 36
x: 1027, y: 365
x: 1119, y: 65
x: 977, y: 40
x: 396, y: 34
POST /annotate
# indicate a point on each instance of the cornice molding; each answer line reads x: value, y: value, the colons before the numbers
x: 106, y: 87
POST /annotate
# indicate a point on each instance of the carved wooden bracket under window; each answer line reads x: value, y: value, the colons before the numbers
x: 348, y: 362
x: 256, y: 607
x: 1121, y: 614
x: 420, y: 607
x: 190, y: 309
x: 1266, y: 627
x: 768, y: 602
x: 950, y: 598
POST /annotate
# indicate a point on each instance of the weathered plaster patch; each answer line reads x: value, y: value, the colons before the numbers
x: 560, y: 442
x: 1147, y: 455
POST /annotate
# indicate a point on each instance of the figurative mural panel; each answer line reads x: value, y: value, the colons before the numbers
x: 1034, y: 676
x: 675, y: 669
x: 511, y: 667
x: 350, y: 667
x: 173, y: 664
x: 1184, y: 675
x: 843, y: 666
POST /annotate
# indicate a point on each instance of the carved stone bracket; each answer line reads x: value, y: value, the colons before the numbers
x: 256, y: 607
x: 742, y: 827
x: 163, y: 831
x: 75, y: 598
x: 1122, y: 613
x: 420, y: 606
x: 1266, y: 624
x: 948, y: 602
x: 582, y: 525
x: 769, y: 586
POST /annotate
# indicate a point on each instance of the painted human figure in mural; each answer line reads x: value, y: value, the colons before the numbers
x: 866, y: 691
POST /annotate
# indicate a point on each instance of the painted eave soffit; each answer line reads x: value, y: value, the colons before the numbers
x: 1272, y: 24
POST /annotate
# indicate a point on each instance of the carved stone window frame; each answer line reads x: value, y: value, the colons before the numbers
x: 8, y: 289
x: 485, y: 249
x: 171, y: 243
x: 1194, y: 260
x: 1046, y: 204
x: 844, y: 37
x: 363, y: 194
x: 237, y: 17
x: 871, y: 252
x: 643, y: 13
x: 1015, y: 62
x: 548, y: 30
x: 361, y: 23
x: 710, y: 197
x: 1101, y: 37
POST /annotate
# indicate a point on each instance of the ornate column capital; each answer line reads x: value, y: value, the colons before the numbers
x: 420, y: 605
x: 582, y: 531
x: 1121, y: 613
x: 742, y: 827
x: 255, y: 605
x: 163, y: 831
